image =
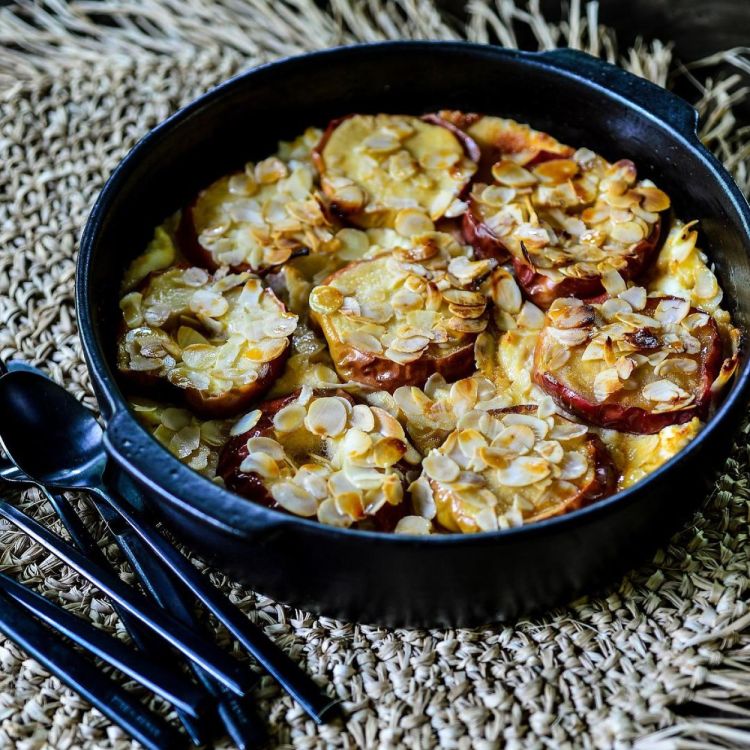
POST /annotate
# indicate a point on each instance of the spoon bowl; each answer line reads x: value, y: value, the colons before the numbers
x: 73, y: 454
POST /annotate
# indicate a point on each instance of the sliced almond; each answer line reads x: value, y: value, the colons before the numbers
x: 326, y: 416
x: 523, y: 471
x: 440, y: 467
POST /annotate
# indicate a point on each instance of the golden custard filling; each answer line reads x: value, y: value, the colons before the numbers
x: 442, y: 324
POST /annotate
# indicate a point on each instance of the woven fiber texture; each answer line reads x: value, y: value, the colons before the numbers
x: 660, y: 660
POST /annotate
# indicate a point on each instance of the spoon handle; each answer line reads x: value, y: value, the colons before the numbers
x: 210, y: 657
x: 275, y: 661
x: 85, y: 678
x: 166, y: 682
x: 237, y: 714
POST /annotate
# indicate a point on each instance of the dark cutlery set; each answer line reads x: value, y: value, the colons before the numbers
x: 34, y: 412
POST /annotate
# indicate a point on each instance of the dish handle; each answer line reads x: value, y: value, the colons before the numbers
x: 655, y: 100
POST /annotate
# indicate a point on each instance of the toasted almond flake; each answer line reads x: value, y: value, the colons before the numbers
x: 363, y: 477
x: 355, y: 444
x: 672, y: 311
x: 663, y: 391
x: 294, y: 498
x: 568, y: 431
x: 422, y: 498
x: 361, y: 418
x: 574, y: 465
x: 330, y: 515
x: 175, y: 419
x: 515, y: 438
x: 496, y: 195
x: 413, y: 525
x: 362, y: 341
x: 413, y: 344
x: 208, y: 303
x: 505, y: 292
x: 653, y: 199
x: 280, y: 326
x: 511, y: 174
x: 695, y: 321
x: 706, y: 285
x: 615, y: 306
x: 326, y: 416
x: 392, y: 489
x: 402, y: 358
x: 530, y: 317
x: 470, y: 441
x: 440, y: 467
x: 624, y: 367
x: 463, y: 297
x: 546, y: 408
x: 261, y: 464
x: 569, y: 337
x: 467, y: 270
x: 266, y: 350
x: 467, y: 325
x: 388, y: 451
x: 325, y: 300
x: 676, y: 366
x: 246, y: 422
x: 556, y: 170
x: 539, y: 426
x: 266, y: 445
x: 412, y: 221
x: 628, y: 232
x: 606, y: 383
x: 523, y: 471
x: 635, y: 296
x: 551, y: 450
x: 289, y: 418
x: 613, y: 283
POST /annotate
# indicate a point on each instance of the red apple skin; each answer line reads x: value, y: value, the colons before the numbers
x: 187, y: 239
x: 484, y: 241
x: 471, y: 149
x: 633, y: 418
x: 251, y: 486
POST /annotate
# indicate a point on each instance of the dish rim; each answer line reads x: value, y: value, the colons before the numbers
x: 107, y: 386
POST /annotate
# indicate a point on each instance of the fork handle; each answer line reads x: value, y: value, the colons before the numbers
x: 237, y: 715
x: 142, y: 637
x: 273, y: 659
x: 72, y: 668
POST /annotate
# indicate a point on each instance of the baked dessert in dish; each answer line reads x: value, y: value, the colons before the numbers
x: 451, y: 323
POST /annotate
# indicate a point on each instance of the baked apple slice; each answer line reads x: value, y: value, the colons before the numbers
x: 631, y: 363
x: 566, y: 222
x: 318, y: 454
x: 256, y: 220
x: 219, y: 341
x: 514, y: 466
x: 392, y: 321
x: 502, y: 138
x: 372, y: 166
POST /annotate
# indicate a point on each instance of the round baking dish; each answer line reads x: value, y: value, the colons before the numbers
x: 370, y: 576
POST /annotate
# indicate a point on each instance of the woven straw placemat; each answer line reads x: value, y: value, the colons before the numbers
x: 660, y: 660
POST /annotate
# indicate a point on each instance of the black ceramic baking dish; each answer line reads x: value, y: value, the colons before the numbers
x: 369, y: 576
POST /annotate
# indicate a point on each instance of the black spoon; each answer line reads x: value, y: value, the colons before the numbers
x: 238, y: 715
x: 57, y: 442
